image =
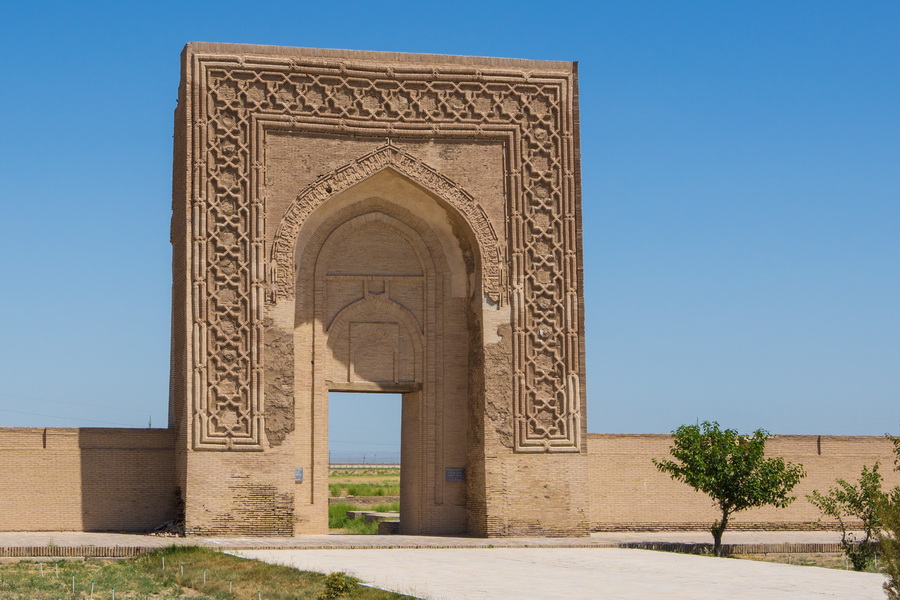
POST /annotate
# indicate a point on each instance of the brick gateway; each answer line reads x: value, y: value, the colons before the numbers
x: 357, y: 221
x: 374, y: 222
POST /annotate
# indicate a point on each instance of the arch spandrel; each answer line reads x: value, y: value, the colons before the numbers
x: 407, y: 165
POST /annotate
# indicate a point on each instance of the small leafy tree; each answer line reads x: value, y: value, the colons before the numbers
x: 889, y: 535
x: 889, y: 541
x: 859, y: 501
x: 731, y: 469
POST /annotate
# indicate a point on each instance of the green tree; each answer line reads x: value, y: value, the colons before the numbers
x: 857, y: 502
x: 889, y: 542
x: 889, y: 535
x: 730, y: 468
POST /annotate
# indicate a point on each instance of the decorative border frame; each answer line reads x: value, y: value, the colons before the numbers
x: 233, y: 100
x: 386, y: 157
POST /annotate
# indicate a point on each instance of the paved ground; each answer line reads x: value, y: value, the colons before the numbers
x: 459, y: 568
x: 578, y: 574
x: 72, y: 538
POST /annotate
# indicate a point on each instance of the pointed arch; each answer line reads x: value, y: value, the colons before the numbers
x: 387, y: 157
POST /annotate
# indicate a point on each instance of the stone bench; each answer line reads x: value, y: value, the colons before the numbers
x: 363, y: 500
x: 370, y: 516
x: 388, y: 527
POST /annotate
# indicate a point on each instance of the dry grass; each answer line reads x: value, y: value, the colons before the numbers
x: 364, y: 482
x: 829, y: 560
x: 143, y: 578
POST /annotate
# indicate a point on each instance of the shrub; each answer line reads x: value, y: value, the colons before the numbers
x: 855, y: 501
x: 889, y: 536
x: 338, y: 584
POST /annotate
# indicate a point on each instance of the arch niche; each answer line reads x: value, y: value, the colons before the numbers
x: 388, y: 292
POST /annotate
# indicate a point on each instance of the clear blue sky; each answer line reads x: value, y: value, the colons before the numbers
x: 741, y: 169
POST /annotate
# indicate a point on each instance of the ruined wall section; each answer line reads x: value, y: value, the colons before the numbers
x: 628, y: 493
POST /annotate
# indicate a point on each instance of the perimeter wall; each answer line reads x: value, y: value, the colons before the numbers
x: 628, y: 493
x: 62, y: 479
x: 68, y: 479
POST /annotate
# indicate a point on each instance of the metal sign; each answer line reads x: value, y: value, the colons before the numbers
x: 454, y: 474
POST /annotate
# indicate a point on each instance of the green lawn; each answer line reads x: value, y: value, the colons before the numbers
x: 337, y: 517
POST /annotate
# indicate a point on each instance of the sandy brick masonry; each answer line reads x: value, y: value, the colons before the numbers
x: 61, y: 479
x: 348, y: 221
x: 67, y: 479
x: 628, y: 493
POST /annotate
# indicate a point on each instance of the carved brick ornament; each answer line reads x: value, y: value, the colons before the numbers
x: 234, y: 100
x: 386, y: 157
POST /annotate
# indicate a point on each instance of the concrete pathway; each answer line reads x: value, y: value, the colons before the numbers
x: 460, y: 568
x: 578, y: 574
x: 75, y: 538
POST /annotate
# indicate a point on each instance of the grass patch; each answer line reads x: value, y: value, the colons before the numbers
x: 360, y: 527
x: 347, y: 483
x: 382, y: 488
x: 364, y: 482
x: 337, y: 515
x: 365, y: 472
x: 828, y: 560
x: 338, y: 521
x: 143, y: 578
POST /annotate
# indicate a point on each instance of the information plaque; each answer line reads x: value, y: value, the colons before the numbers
x: 454, y: 474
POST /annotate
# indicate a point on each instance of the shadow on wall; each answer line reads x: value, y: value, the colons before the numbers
x: 127, y: 478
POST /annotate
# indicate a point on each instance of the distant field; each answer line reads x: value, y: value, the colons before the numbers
x: 366, y: 481
x: 364, y: 471
x: 361, y: 481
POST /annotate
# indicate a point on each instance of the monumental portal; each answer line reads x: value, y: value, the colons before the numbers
x: 374, y: 222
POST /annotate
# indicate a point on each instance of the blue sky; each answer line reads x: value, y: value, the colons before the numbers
x: 741, y: 170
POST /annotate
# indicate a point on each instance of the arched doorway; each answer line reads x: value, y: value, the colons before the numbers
x: 387, y: 286
x: 474, y: 164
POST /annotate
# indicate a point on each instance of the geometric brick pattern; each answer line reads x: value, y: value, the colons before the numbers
x: 284, y: 245
x: 235, y: 100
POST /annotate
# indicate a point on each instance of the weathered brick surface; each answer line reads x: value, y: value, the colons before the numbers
x: 62, y: 479
x: 628, y: 493
x: 360, y: 221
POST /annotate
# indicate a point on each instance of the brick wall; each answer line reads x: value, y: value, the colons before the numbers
x: 67, y: 479
x: 61, y: 479
x: 628, y: 493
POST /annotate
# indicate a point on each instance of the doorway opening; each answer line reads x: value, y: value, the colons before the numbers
x: 364, y: 462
